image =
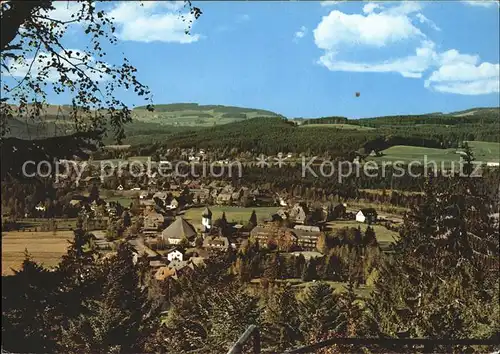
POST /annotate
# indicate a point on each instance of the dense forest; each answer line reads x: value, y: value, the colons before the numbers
x: 273, y: 135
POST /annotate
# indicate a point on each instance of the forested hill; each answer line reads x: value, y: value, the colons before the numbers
x: 273, y: 135
x: 268, y: 132
x: 193, y: 114
x: 470, y: 116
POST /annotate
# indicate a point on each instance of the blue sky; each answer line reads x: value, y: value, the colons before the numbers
x: 309, y: 58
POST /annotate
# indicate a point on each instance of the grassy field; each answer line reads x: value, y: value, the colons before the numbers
x: 32, y: 223
x: 384, y: 236
x: 483, y: 151
x: 45, y: 247
x: 337, y: 126
x: 123, y: 200
x: 234, y: 214
x: 389, y: 191
x: 192, y: 114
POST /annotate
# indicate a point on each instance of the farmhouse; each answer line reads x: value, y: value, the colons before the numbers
x: 367, y: 215
x: 216, y: 242
x: 178, y: 230
x: 175, y: 254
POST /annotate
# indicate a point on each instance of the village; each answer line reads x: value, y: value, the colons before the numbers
x: 170, y: 221
x: 156, y: 226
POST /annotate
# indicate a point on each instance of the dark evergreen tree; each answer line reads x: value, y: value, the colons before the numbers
x: 253, y: 218
x: 281, y: 320
x: 319, y: 313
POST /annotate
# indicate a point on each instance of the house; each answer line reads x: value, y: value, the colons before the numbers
x: 74, y: 202
x: 307, y: 228
x: 307, y: 254
x: 156, y: 264
x: 160, y: 195
x: 146, y: 203
x: 165, y: 273
x: 174, y: 204
x: 367, y: 215
x: 200, y: 196
x: 40, y: 207
x: 262, y: 233
x: 299, y: 213
x: 174, y: 269
x: 119, y: 188
x: 216, y: 242
x: 153, y: 220
x: 175, y: 254
x: 492, y: 164
x: 178, y: 230
x: 235, y: 196
x: 282, y: 214
x: 214, y: 193
x: 224, y: 198
x: 307, y: 239
x: 141, y: 249
x: 144, y: 195
x: 336, y: 212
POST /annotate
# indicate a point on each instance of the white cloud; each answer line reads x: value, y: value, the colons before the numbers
x: 454, y: 72
x: 374, y: 29
x: 153, y: 21
x: 421, y: 17
x: 329, y: 3
x: 481, y: 3
x: 301, y: 32
x: 466, y: 78
x: 370, y: 7
x: 412, y: 66
x: 41, y: 64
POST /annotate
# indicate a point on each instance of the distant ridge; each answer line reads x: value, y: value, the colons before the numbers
x: 194, y: 114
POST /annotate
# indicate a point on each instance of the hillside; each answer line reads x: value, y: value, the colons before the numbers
x: 193, y: 114
x: 188, y: 124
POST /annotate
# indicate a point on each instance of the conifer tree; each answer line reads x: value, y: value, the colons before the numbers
x: 253, y: 218
x: 319, y: 313
x: 118, y: 321
x: 29, y: 309
x: 281, y: 320
x: 443, y: 269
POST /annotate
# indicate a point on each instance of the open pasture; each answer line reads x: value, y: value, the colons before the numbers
x: 337, y: 126
x: 46, y: 248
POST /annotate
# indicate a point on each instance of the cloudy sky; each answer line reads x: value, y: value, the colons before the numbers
x: 309, y: 58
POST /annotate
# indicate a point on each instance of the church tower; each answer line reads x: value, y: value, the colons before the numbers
x: 206, y: 219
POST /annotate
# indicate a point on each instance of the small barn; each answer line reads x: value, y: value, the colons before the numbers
x: 367, y: 215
